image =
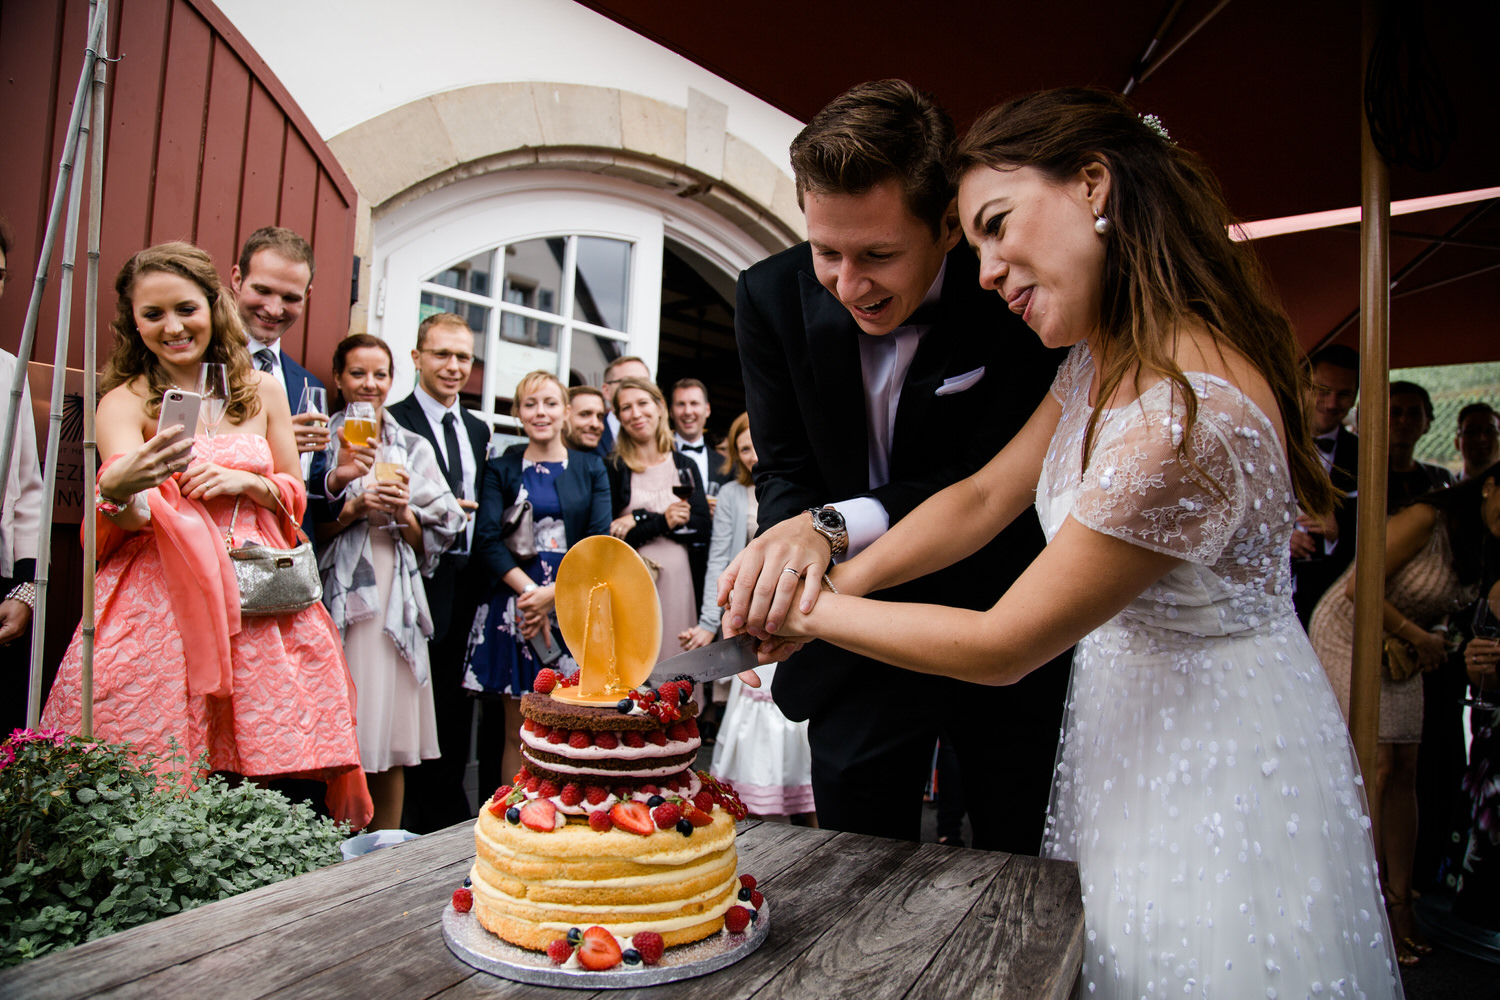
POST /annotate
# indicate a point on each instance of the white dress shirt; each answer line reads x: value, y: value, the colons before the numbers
x: 467, y: 461
x: 699, y: 457
x: 884, y: 362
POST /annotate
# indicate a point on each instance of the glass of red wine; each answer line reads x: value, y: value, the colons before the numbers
x: 683, y: 491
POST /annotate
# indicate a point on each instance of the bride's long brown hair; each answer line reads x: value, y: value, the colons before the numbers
x: 1168, y: 255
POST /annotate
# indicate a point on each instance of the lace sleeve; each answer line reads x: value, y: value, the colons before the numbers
x: 1067, y: 373
x: 1138, y: 489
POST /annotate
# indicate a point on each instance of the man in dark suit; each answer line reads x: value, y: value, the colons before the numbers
x: 690, y: 413
x: 271, y: 283
x: 877, y: 372
x: 1322, y: 548
x: 444, y: 357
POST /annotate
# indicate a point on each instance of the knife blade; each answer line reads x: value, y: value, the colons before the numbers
x: 709, y: 663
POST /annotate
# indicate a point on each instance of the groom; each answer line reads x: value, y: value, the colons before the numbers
x: 877, y: 372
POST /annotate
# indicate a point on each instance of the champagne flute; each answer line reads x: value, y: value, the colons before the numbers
x: 359, y: 423
x: 314, y: 400
x: 213, y: 388
x: 390, y: 462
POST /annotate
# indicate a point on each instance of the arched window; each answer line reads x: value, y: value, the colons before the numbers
x: 553, y: 270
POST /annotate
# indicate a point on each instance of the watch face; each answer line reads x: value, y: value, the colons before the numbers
x: 830, y: 519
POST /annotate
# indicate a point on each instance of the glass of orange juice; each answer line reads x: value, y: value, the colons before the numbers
x: 359, y: 424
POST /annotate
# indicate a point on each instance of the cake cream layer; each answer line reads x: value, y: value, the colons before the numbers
x: 530, y: 887
x: 636, y: 769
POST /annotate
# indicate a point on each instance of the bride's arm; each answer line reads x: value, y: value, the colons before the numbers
x: 958, y: 521
x: 1082, y: 579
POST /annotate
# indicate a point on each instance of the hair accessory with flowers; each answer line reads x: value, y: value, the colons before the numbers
x: 1154, y: 124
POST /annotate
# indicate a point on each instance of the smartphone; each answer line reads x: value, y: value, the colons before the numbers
x: 178, y: 406
x: 546, y: 656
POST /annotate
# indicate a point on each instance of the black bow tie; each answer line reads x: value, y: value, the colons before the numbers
x: 1326, y: 445
x: 691, y: 447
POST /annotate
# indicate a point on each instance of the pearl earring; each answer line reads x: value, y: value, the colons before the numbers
x: 1101, y: 224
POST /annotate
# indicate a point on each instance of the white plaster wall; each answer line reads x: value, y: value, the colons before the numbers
x: 346, y: 61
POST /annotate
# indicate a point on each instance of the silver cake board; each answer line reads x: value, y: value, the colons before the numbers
x: 475, y: 946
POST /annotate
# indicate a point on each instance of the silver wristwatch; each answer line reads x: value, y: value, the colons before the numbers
x: 830, y: 524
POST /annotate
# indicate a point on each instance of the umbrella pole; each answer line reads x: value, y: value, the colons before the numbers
x: 1374, y: 413
x: 90, y: 370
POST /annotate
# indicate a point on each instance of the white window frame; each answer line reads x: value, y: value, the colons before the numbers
x: 455, y: 223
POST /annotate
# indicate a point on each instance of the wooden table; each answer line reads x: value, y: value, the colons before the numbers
x: 851, y: 916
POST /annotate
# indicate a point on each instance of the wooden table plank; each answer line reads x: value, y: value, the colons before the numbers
x: 139, y: 951
x: 851, y: 916
x: 266, y: 962
x: 1023, y: 938
x: 885, y: 942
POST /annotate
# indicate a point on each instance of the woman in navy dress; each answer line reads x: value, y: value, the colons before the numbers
x: 569, y: 497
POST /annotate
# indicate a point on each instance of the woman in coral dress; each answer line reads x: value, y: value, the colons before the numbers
x: 174, y: 661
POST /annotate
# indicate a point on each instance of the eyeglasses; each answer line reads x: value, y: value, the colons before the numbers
x: 446, y: 356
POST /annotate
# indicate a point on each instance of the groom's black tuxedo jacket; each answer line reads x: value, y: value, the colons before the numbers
x: 805, y: 395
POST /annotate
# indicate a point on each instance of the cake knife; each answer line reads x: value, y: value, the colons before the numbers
x: 709, y: 663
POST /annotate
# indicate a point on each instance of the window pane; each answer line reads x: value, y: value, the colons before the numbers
x: 472, y: 275
x: 533, y: 278
x: 603, y: 273
x: 591, y: 355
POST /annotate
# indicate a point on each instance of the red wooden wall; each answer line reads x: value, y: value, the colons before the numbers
x: 202, y: 144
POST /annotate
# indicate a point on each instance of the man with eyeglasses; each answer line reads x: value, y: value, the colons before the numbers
x: 444, y: 357
x: 1322, y: 548
x: 619, y: 369
x: 1478, y: 438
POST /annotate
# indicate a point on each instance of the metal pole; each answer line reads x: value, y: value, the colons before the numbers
x: 1374, y: 417
x: 54, y: 439
x: 39, y: 283
x: 90, y: 367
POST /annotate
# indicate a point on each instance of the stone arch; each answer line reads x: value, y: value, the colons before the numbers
x: 450, y: 136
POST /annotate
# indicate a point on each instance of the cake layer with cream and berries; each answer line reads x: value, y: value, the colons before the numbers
x: 606, y: 825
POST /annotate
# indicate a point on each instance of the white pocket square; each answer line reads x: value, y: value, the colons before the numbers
x: 959, y: 383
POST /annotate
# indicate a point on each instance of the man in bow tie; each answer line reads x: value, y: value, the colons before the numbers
x: 271, y: 283
x: 877, y: 372
x: 690, y: 412
x: 1322, y: 548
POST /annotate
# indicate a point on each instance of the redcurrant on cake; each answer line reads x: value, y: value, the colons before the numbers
x: 606, y: 826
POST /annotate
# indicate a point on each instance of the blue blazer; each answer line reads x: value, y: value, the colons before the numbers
x: 583, y: 489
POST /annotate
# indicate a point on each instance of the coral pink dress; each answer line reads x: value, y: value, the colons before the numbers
x: 279, y: 704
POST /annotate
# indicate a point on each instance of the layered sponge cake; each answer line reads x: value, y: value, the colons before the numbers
x: 606, y: 825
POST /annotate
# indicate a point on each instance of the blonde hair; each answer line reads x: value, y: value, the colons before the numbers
x: 528, y: 384
x: 734, y: 463
x: 631, y: 453
x: 132, y: 359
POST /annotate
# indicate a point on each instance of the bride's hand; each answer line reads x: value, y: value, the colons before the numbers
x: 206, y: 480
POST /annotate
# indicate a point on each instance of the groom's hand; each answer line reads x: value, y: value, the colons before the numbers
x: 761, y: 582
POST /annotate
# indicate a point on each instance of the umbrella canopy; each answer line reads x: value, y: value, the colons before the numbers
x: 1268, y: 91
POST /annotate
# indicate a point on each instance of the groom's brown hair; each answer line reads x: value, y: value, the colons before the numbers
x: 878, y: 131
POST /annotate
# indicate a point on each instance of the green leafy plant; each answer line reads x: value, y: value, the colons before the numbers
x: 95, y: 838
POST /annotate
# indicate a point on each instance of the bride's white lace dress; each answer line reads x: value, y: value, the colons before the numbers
x: 1206, y: 784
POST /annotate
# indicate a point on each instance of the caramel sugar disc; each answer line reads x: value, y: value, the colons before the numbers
x: 610, y: 618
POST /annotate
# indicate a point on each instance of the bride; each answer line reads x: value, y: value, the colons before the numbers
x: 1206, y: 784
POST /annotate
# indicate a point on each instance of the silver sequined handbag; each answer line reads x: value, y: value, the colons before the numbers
x: 274, y: 581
